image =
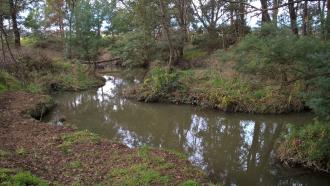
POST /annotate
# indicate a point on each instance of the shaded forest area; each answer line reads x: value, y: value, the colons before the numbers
x: 263, y: 56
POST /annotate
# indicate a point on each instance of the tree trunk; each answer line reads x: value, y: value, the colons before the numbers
x: 293, y: 17
x: 275, y: 11
x: 327, y: 23
x: 242, y: 22
x: 13, y: 11
x: 167, y: 34
x: 321, y: 14
x: 305, y: 19
x: 1, y: 38
x: 265, y: 15
x: 182, y: 8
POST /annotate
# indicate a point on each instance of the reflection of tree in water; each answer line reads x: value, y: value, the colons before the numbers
x: 238, y: 152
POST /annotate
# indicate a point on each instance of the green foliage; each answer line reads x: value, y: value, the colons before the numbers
x: 21, y: 178
x: 135, y: 48
x: 276, y: 54
x: 86, y: 42
x: 268, y: 52
x: 33, y: 19
x: 308, y: 144
x: 159, y: 84
x: 122, y: 22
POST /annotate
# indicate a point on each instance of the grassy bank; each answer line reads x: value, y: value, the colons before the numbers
x: 210, y: 88
x: 63, y: 156
x: 47, y: 75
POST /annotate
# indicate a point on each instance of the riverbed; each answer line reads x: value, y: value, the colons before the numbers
x: 232, y: 148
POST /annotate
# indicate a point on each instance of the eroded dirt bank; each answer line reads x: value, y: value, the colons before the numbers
x: 65, y: 156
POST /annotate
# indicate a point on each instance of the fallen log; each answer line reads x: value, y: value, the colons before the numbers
x: 102, y: 61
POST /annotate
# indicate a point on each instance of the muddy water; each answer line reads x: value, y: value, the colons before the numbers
x: 233, y: 149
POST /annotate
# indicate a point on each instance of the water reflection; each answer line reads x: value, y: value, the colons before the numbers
x: 234, y: 149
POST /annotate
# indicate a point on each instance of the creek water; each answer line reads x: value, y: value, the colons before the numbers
x: 233, y: 149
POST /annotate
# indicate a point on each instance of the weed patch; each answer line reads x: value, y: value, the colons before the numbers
x: 68, y: 140
x: 21, y: 178
x: 139, y: 174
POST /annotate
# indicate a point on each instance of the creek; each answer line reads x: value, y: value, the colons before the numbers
x: 232, y: 148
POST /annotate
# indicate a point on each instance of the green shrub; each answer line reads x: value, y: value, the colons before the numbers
x: 310, y: 142
x: 159, y: 84
x: 276, y: 54
x: 135, y: 49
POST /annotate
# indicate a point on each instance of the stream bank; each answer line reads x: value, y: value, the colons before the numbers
x: 62, y: 155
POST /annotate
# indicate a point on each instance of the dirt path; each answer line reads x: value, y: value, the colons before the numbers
x: 62, y: 155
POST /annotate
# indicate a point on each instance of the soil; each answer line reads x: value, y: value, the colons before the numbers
x: 36, y: 147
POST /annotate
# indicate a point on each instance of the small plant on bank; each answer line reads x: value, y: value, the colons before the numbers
x: 21, y: 151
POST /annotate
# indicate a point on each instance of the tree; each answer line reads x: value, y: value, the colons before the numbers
x: 55, y: 15
x: 86, y: 40
x: 293, y: 16
x: 14, y: 12
x: 265, y: 18
x: 165, y: 22
x: 33, y: 20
